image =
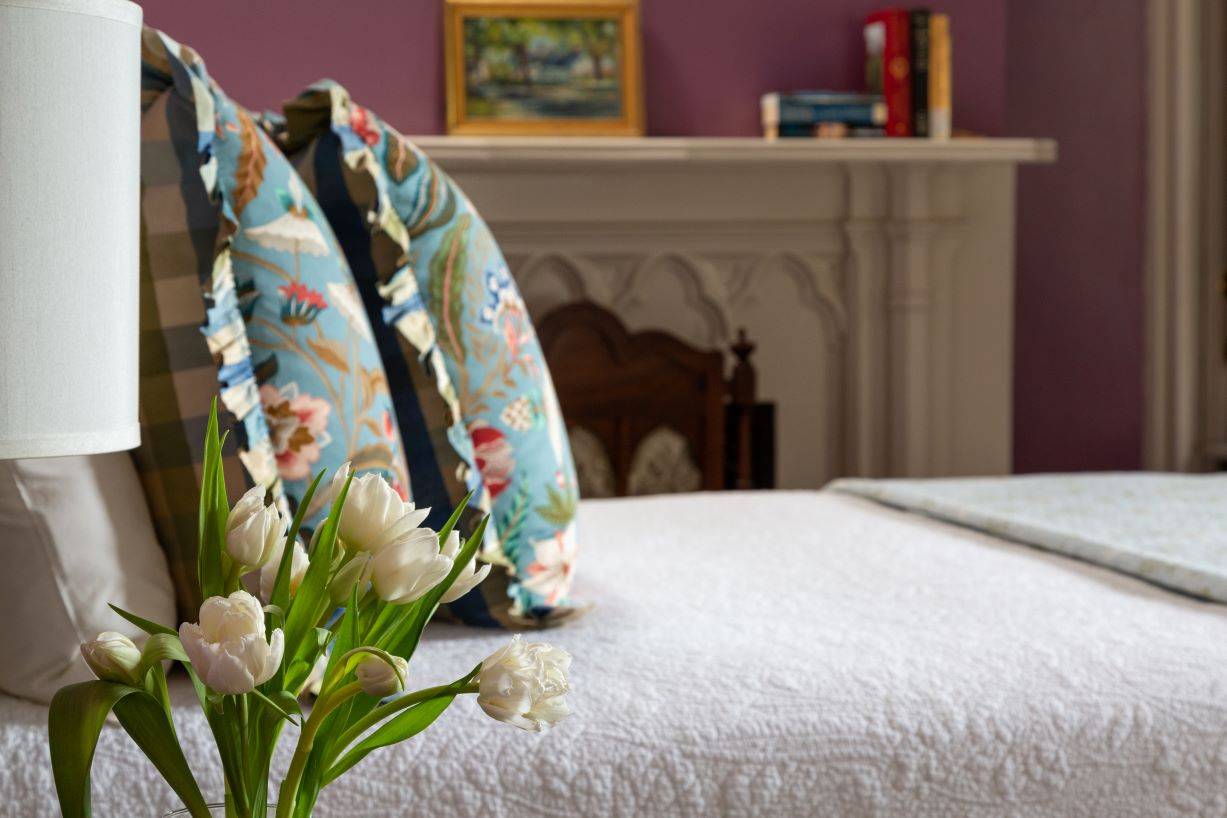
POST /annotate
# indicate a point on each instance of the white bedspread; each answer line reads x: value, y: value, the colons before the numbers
x: 795, y: 654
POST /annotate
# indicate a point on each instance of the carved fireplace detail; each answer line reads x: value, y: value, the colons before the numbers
x: 876, y: 276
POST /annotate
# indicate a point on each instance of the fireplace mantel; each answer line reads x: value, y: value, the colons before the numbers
x: 875, y: 275
x: 465, y: 152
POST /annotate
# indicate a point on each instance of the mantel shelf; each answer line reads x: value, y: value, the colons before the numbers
x: 459, y: 152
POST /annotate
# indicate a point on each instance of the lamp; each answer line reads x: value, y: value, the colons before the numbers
x: 69, y: 226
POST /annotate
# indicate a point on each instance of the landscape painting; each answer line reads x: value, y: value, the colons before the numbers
x: 521, y: 68
x: 526, y: 72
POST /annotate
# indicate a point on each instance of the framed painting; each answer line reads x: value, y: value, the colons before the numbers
x: 543, y: 67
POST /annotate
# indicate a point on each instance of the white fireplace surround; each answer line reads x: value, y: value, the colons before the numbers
x: 876, y: 276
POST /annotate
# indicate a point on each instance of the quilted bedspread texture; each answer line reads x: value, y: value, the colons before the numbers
x: 790, y: 654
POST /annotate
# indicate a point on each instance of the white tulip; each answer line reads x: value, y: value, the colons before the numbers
x: 374, y: 515
x: 525, y: 684
x: 249, y: 505
x: 379, y: 679
x: 408, y: 568
x: 113, y: 657
x: 227, y: 648
x: 253, y: 529
x: 468, y: 578
x: 261, y: 582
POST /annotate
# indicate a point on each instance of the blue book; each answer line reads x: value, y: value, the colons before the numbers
x: 830, y: 130
x: 811, y: 108
x: 826, y: 97
x: 867, y: 115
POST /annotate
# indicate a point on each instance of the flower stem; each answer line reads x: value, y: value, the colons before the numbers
x: 232, y: 578
x: 244, y: 741
x: 325, y: 705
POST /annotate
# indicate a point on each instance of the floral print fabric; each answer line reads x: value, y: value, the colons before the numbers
x: 480, y: 339
x: 322, y: 385
x: 496, y: 364
x: 339, y: 169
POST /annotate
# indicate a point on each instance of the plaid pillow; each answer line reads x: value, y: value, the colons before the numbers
x: 193, y: 346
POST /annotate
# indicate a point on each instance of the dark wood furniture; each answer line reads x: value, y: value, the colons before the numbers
x: 622, y: 387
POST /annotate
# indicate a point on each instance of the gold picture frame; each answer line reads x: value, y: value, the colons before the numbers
x: 565, y: 70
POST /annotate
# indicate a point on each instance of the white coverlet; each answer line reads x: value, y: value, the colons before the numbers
x: 794, y: 654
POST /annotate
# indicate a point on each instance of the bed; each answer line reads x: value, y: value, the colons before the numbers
x: 794, y: 653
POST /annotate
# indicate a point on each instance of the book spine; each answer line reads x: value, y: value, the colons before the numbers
x: 940, y: 111
x: 827, y: 97
x: 873, y: 114
x: 895, y: 68
x: 920, y: 49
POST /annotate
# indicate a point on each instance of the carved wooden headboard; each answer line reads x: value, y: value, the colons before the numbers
x: 648, y: 412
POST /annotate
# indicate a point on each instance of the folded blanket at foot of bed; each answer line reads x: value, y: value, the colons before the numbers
x: 1170, y: 529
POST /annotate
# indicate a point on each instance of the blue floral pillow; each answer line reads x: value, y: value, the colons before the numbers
x: 322, y: 384
x: 481, y: 337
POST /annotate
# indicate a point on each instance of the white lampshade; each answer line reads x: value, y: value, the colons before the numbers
x: 69, y: 230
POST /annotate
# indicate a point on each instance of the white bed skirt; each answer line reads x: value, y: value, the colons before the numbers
x: 792, y: 654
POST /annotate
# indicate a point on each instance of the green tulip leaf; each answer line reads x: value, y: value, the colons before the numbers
x: 214, y: 511
x: 406, y: 724
x: 281, y: 587
x: 283, y: 704
x: 160, y: 647
x: 347, y: 632
x: 446, y: 530
x: 311, y: 601
x: 149, y: 627
x: 74, y: 722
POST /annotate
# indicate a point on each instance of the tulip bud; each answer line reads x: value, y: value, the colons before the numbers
x: 113, y: 657
x: 468, y: 578
x: 525, y: 685
x: 261, y: 582
x: 253, y: 530
x: 250, y: 504
x: 350, y: 575
x: 379, y: 679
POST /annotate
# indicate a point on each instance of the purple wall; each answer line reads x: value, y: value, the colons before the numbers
x: 706, y: 61
x: 1078, y: 377
x: 1078, y: 396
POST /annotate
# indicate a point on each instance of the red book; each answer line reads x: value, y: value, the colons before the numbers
x: 889, y: 62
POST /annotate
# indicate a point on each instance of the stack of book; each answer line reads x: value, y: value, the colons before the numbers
x: 823, y: 113
x: 907, y: 61
x: 907, y: 78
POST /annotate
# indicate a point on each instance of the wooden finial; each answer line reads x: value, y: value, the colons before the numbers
x: 743, y: 384
x: 743, y: 347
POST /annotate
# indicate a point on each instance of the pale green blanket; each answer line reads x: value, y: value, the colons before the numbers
x: 1170, y: 529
